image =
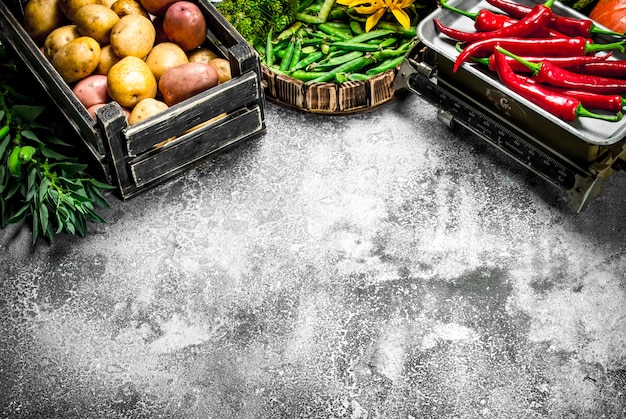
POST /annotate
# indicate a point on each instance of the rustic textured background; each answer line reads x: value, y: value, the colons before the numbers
x: 367, y: 266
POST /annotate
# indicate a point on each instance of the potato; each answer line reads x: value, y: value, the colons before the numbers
x: 129, y: 7
x: 42, y: 17
x: 108, y: 3
x: 92, y: 90
x: 130, y: 80
x: 163, y: 56
x: 145, y: 109
x: 133, y: 35
x: 107, y: 59
x: 201, y: 55
x: 186, y: 80
x: 77, y: 59
x: 71, y: 7
x: 185, y: 24
x: 96, y: 21
x: 156, y: 7
x: 59, y: 37
x: 222, y: 66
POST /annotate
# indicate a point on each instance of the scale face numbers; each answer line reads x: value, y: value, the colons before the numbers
x: 455, y: 108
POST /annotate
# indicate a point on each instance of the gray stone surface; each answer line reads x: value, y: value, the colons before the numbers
x: 369, y: 266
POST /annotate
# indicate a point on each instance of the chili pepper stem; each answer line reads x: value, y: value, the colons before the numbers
x: 581, y: 111
x: 445, y: 5
x: 591, y: 47
x: 535, y: 67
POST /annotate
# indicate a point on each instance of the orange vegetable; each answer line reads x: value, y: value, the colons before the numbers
x: 610, y: 13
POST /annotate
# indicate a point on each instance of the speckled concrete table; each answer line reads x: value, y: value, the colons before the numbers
x: 367, y: 266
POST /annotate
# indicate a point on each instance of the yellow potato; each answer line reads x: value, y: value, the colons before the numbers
x: 96, y: 21
x: 77, y: 59
x: 42, y: 17
x: 107, y: 59
x: 57, y: 38
x: 128, y: 7
x: 222, y: 66
x: 71, y: 7
x: 133, y: 35
x: 146, y: 108
x: 108, y: 3
x: 163, y: 56
x: 130, y: 80
x: 201, y: 55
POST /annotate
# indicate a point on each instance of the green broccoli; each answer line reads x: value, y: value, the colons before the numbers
x: 253, y: 19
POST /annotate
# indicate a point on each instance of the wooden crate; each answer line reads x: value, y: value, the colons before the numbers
x: 133, y: 158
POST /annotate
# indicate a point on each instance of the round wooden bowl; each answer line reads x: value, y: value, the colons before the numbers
x: 329, y: 98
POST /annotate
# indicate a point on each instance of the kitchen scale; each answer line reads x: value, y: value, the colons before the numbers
x: 575, y: 157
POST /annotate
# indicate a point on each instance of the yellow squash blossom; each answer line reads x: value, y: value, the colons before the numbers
x: 377, y: 8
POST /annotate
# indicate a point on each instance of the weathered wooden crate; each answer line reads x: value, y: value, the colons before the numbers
x: 138, y: 157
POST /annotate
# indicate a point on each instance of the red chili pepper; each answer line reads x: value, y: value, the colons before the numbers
x: 568, y: 25
x: 548, y: 73
x: 563, y: 62
x: 613, y: 103
x: 563, y: 107
x: 612, y: 68
x: 538, y: 18
x: 485, y: 20
x: 558, y: 47
x: 577, y: 61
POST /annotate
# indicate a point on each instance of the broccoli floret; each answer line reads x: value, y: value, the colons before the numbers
x: 253, y: 19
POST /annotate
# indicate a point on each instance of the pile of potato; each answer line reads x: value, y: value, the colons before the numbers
x: 147, y: 55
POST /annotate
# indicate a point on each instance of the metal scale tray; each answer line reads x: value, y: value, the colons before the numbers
x: 576, y: 157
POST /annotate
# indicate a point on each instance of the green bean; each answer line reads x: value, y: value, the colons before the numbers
x: 398, y: 29
x: 295, y: 56
x: 322, y: 15
x: 354, y: 46
x: 358, y: 77
x: 366, y: 36
x: 286, y: 60
x: 308, y: 60
x: 354, y: 65
x: 334, y: 31
x: 387, y: 42
x: 307, y: 49
x: 290, y: 31
x: 269, y: 50
x: 385, y: 65
x: 304, y: 4
x: 341, y: 78
x: 340, y: 59
x: 356, y: 27
x: 305, y: 75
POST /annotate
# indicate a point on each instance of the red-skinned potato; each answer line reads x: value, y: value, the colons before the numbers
x: 184, y: 24
x: 186, y: 80
x: 156, y: 7
x: 92, y: 90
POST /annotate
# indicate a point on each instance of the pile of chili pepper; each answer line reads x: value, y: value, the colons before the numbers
x: 550, y: 59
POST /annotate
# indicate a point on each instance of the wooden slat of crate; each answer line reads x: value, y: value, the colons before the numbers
x: 234, y: 94
x: 195, y: 146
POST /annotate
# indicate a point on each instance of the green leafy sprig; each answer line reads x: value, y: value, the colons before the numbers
x: 40, y: 184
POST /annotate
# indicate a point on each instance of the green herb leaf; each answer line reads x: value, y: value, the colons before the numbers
x: 28, y: 113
